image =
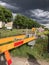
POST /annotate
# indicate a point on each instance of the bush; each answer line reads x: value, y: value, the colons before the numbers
x: 39, y: 50
x: 21, y: 51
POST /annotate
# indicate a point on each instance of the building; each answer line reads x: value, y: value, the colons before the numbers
x: 9, y: 25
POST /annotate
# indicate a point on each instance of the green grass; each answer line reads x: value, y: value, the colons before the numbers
x: 8, y: 33
x: 39, y: 51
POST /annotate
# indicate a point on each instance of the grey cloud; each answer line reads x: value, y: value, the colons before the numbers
x: 39, y: 15
x: 9, y: 6
x: 35, y: 9
x: 29, y: 4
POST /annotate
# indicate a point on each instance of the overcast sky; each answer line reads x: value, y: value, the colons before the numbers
x: 36, y: 9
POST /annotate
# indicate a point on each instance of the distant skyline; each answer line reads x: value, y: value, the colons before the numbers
x: 35, y: 9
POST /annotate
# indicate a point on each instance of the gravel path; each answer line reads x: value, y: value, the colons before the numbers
x: 23, y: 61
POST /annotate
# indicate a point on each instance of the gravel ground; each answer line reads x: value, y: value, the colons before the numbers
x: 23, y: 61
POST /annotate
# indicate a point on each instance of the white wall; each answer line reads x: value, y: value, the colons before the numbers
x: 1, y: 24
x: 9, y: 25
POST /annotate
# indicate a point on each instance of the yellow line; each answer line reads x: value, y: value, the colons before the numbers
x: 11, y: 45
x: 8, y: 39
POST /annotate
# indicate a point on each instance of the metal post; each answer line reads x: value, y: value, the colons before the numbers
x: 0, y: 34
x: 48, y: 43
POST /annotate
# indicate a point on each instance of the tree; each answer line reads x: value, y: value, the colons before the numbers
x: 1, y: 15
x: 24, y: 22
x: 5, y: 14
x: 8, y: 15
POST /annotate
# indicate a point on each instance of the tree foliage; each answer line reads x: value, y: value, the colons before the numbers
x: 22, y: 21
x: 5, y: 14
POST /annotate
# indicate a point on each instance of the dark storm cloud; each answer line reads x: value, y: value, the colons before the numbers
x: 9, y: 5
x: 36, y: 9
x: 29, y: 4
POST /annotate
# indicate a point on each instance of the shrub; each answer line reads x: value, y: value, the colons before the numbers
x: 38, y: 51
